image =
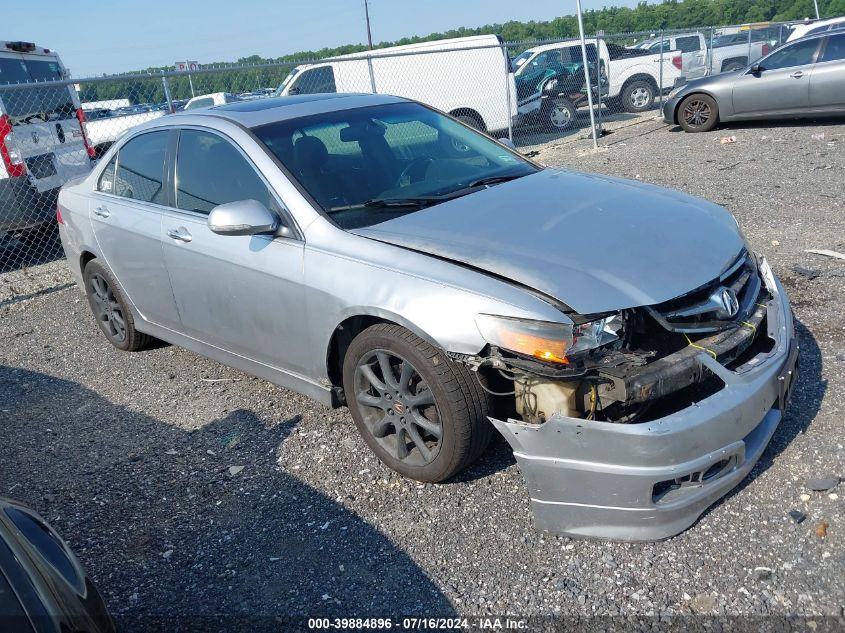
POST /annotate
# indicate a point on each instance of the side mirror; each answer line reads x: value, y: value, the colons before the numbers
x: 756, y: 69
x: 507, y: 143
x: 243, y: 217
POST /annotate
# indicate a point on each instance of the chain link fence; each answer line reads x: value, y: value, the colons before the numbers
x: 531, y: 92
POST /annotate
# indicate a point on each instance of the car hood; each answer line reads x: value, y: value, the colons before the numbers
x: 593, y: 242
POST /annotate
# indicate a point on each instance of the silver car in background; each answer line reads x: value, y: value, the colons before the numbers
x: 370, y: 251
x: 804, y: 78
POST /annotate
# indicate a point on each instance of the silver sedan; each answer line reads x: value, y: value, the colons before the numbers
x: 369, y: 251
x: 805, y: 78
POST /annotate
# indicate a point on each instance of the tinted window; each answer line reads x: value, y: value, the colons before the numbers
x: 798, y: 54
x: 835, y: 50
x: 689, y: 44
x: 106, y: 181
x: 315, y: 80
x: 210, y: 171
x: 140, y: 168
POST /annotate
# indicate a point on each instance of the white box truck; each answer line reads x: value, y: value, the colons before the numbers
x: 468, y: 77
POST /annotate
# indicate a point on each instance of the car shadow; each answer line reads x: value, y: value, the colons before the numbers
x: 196, y: 530
x: 768, y: 124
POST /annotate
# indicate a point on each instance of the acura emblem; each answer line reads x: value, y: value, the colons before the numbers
x: 726, y: 302
x: 35, y: 137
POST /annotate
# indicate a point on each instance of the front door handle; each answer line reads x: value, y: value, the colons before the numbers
x: 797, y: 74
x: 181, y: 234
x: 102, y: 212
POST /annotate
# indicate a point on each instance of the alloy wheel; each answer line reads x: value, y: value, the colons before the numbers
x: 107, y: 310
x: 398, y: 408
x: 697, y: 113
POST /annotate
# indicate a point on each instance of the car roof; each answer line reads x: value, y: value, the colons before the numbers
x: 262, y: 111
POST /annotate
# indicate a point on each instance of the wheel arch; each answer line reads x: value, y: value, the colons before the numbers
x: 696, y: 92
x: 639, y: 77
x: 353, y: 324
x: 84, y: 257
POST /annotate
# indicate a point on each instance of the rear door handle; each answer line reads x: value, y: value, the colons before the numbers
x: 181, y: 234
x: 797, y: 74
x: 102, y: 212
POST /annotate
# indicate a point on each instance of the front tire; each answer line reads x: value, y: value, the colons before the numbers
x: 698, y: 113
x: 638, y: 96
x: 111, y: 309
x: 560, y: 115
x: 423, y: 415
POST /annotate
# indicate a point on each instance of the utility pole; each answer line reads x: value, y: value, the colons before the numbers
x: 367, y: 16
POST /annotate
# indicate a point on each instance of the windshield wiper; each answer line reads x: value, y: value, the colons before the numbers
x: 492, y: 180
x: 385, y: 203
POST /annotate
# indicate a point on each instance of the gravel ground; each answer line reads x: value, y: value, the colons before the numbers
x: 187, y: 488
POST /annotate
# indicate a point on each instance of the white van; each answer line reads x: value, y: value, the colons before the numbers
x: 42, y: 137
x: 468, y: 77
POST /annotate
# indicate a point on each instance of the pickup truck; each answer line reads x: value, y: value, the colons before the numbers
x: 633, y: 76
x: 729, y: 52
x: 107, y: 127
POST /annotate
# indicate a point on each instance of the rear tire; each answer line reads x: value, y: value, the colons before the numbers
x: 111, y: 309
x: 698, y: 113
x: 638, y: 96
x: 427, y: 417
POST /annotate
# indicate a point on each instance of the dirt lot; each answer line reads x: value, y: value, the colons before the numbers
x: 136, y: 458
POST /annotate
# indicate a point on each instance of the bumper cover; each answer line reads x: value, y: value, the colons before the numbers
x: 668, y: 110
x: 653, y: 480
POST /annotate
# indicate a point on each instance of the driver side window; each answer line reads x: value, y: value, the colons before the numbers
x: 798, y: 54
x: 210, y: 171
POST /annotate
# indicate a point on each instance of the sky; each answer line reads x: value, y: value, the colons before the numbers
x: 119, y: 36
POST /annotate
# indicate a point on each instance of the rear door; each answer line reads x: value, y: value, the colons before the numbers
x: 783, y: 84
x: 827, y: 81
x: 125, y: 212
x: 45, y: 123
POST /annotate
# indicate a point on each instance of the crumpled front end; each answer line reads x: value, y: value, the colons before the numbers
x: 702, y: 417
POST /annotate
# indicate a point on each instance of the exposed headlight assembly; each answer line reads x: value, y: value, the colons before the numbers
x: 545, y: 340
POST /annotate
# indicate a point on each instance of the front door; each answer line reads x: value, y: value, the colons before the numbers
x: 782, y: 84
x: 242, y: 294
x: 125, y: 214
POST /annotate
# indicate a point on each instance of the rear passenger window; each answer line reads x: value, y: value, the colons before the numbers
x: 689, y: 44
x: 210, y: 171
x: 106, y: 181
x: 314, y: 81
x: 140, y: 168
x: 835, y: 50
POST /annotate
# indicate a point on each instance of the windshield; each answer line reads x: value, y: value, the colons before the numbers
x: 47, y: 103
x: 366, y: 165
x: 520, y: 59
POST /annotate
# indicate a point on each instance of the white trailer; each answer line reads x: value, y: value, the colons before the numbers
x: 468, y: 77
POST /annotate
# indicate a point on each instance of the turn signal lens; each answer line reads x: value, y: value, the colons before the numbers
x: 540, y: 339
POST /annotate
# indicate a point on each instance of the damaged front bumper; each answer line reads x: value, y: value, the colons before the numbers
x: 653, y: 480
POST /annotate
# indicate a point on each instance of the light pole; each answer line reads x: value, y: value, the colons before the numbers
x: 816, y: 3
x: 367, y: 17
x: 587, y: 74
